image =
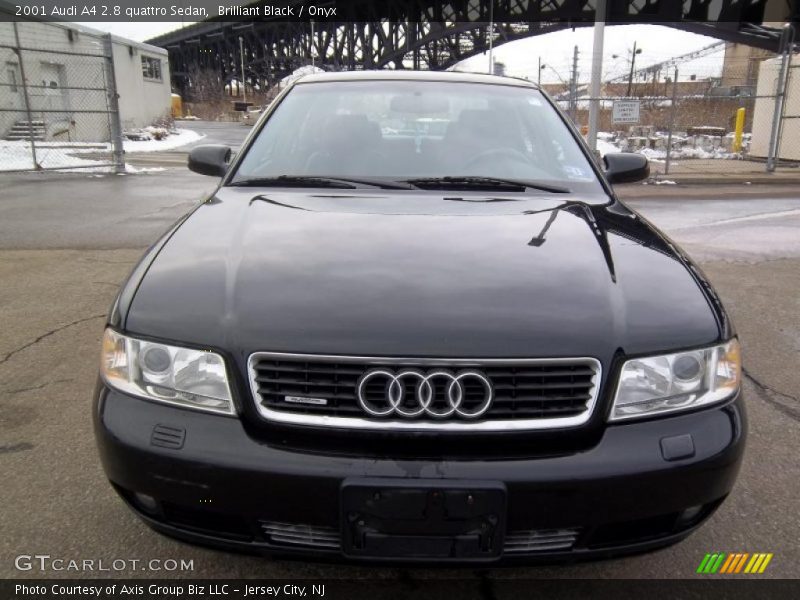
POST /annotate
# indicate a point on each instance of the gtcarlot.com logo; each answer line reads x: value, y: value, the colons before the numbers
x: 735, y: 562
x: 45, y: 562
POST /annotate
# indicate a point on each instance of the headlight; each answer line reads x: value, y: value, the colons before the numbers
x: 170, y: 374
x: 672, y: 382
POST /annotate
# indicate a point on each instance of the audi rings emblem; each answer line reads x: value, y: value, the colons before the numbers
x: 437, y: 394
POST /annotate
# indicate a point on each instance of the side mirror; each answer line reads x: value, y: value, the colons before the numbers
x: 626, y: 167
x: 210, y: 159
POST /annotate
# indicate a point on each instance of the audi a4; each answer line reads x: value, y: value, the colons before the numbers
x: 414, y: 323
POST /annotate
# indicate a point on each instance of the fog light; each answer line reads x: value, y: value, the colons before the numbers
x: 690, y: 514
x: 146, y: 503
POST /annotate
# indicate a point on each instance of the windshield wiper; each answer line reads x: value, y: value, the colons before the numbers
x: 484, y: 183
x: 292, y: 181
x: 319, y: 181
x: 379, y: 183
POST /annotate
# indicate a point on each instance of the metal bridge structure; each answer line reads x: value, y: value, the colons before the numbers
x: 435, y: 34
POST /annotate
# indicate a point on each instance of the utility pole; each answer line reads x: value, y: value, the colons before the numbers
x: 673, y: 107
x: 241, y: 56
x: 597, y: 71
x: 311, y: 45
x: 491, y: 37
x: 573, y: 86
x: 539, y: 73
x: 633, y: 63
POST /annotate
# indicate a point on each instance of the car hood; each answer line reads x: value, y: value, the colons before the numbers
x: 384, y: 273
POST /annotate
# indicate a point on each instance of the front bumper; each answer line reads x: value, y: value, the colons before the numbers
x: 216, y: 485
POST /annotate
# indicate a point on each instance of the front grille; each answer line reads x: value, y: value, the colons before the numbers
x: 322, y: 390
x: 539, y: 540
x: 307, y: 536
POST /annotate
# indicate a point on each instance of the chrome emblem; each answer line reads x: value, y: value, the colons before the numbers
x: 395, y: 400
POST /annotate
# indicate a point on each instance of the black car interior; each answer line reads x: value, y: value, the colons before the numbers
x: 351, y: 144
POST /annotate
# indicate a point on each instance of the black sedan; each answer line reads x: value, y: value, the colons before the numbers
x: 414, y: 323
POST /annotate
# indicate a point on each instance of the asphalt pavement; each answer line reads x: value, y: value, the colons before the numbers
x: 216, y: 132
x: 66, y: 242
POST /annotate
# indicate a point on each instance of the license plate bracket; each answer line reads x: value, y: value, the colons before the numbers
x: 422, y: 519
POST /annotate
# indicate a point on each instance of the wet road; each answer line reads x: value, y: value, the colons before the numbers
x: 66, y: 242
x: 228, y: 134
x: 739, y: 229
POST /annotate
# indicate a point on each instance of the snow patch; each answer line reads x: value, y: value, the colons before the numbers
x: 681, y: 148
x: 179, y: 138
x: 298, y: 73
x: 129, y: 168
x: 16, y: 155
x: 604, y: 146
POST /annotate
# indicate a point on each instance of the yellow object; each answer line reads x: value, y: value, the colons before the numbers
x: 737, y: 136
x: 177, y: 106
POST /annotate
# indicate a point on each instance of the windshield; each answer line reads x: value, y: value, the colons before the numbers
x: 406, y: 130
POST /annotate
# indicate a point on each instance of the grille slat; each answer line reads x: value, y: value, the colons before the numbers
x: 524, y: 542
x: 351, y: 411
x: 525, y: 392
x: 539, y: 372
x: 315, y: 382
x: 300, y: 536
x: 581, y: 398
x: 541, y: 386
x: 299, y: 368
x: 297, y: 389
x: 310, y: 536
x: 517, y: 414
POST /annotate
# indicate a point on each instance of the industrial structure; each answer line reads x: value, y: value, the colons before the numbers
x: 434, y: 34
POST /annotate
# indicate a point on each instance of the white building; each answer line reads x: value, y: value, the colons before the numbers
x: 66, y: 72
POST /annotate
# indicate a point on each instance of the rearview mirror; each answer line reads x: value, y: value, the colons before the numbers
x: 210, y: 159
x: 419, y: 104
x: 626, y: 167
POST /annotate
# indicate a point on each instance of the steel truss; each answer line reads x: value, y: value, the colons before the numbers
x: 433, y: 34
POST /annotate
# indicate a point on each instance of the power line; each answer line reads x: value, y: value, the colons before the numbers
x: 669, y: 63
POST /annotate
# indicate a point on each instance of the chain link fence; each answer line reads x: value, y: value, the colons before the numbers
x: 687, y: 134
x: 744, y: 122
x: 58, y: 101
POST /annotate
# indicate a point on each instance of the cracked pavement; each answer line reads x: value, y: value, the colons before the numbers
x: 67, y: 240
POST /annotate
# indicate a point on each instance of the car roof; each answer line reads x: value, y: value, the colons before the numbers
x: 406, y: 75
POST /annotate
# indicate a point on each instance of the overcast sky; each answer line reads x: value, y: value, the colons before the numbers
x: 658, y: 43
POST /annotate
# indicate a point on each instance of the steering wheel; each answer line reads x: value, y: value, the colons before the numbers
x: 497, y: 153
